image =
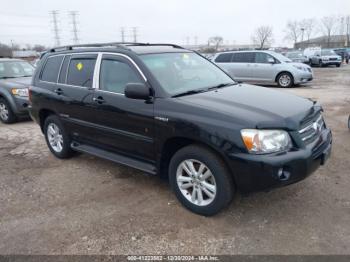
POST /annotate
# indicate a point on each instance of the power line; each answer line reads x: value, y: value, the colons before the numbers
x: 57, y: 39
x: 73, y: 15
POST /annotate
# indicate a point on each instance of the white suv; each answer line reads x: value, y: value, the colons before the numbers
x: 263, y: 67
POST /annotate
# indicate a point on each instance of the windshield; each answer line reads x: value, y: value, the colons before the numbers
x: 281, y: 57
x: 295, y: 55
x: 328, y: 52
x: 13, y: 69
x: 184, y: 72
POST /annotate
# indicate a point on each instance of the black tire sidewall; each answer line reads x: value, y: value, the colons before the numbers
x: 224, y: 183
x: 11, y: 115
x: 66, y: 150
x: 291, y: 80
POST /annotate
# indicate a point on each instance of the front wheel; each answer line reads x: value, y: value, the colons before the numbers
x: 200, y: 180
x: 338, y: 65
x: 6, y: 114
x: 56, y: 137
x: 285, y: 80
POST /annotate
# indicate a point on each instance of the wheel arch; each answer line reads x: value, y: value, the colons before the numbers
x: 174, y: 144
x: 43, y: 114
x: 284, y: 71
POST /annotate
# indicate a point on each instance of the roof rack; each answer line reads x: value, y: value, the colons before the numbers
x: 122, y: 45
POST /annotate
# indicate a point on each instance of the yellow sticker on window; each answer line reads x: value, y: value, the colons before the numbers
x: 80, y: 66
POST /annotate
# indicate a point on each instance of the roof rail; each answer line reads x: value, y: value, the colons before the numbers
x: 150, y: 44
x: 122, y: 45
x: 71, y: 47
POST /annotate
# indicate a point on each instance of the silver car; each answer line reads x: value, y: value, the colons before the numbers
x: 325, y: 57
x: 263, y: 67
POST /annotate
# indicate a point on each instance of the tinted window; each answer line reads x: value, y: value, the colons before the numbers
x: 262, y: 58
x: 224, y: 58
x: 114, y: 76
x: 51, y: 69
x: 81, y: 71
x: 243, y: 58
x: 63, y: 73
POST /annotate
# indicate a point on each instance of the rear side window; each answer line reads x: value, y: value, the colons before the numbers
x: 224, y: 58
x: 262, y: 58
x: 81, y: 71
x: 51, y: 69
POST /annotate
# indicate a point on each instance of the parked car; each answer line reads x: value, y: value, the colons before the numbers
x: 344, y: 53
x: 263, y: 67
x: 325, y: 57
x: 15, y: 78
x: 169, y: 111
x: 297, y: 56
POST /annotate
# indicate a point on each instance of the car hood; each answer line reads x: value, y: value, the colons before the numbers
x: 258, y: 106
x: 17, y: 82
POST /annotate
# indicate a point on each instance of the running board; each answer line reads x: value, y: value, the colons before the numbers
x: 120, y: 159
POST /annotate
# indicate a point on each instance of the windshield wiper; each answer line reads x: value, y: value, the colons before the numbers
x: 222, y: 85
x: 191, y: 92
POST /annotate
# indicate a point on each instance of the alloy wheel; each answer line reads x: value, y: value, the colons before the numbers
x: 4, y: 112
x: 55, y: 137
x: 285, y: 80
x: 196, y: 182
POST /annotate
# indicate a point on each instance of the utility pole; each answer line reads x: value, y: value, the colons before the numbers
x: 302, y: 34
x: 73, y: 15
x: 57, y: 39
x: 196, y: 40
x: 134, y: 33
x: 122, y: 34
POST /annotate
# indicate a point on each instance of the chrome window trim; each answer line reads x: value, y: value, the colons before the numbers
x: 97, y: 79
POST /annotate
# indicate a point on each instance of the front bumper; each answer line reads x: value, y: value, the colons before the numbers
x: 303, y: 77
x: 263, y: 172
x: 21, y: 106
x: 331, y: 62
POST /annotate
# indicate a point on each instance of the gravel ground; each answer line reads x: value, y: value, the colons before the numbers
x: 87, y: 205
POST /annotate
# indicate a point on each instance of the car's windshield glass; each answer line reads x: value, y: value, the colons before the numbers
x: 13, y: 69
x: 328, y: 52
x: 184, y: 72
x: 281, y: 57
x: 295, y: 55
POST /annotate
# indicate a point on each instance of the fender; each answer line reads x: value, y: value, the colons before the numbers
x: 9, y: 98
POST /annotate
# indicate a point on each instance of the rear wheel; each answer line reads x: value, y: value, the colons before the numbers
x: 6, y: 114
x: 56, y: 137
x: 200, y: 180
x: 285, y: 80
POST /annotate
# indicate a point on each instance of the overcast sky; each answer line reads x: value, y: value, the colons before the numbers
x: 28, y: 21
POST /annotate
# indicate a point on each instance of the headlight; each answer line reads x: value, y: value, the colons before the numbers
x: 265, y: 141
x: 300, y: 67
x: 20, y: 92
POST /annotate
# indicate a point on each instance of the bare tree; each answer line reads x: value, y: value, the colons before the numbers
x: 5, y: 50
x: 263, y: 36
x: 329, y: 24
x: 39, y: 48
x: 216, y: 41
x: 293, y: 31
x: 308, y: 27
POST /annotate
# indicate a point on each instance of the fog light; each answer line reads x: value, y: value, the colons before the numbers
x: 282, y: 174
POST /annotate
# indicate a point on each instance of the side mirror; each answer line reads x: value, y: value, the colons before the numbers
x: 270, y: 60
x: 137, y: 91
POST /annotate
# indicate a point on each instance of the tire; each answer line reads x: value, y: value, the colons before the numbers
x: 217, y: 180
x: 7, y: 116
x: 285, y: 80
x: 320, y: 64
x: 57, y: 138
x: 349, y: 122
x: 338, y: 65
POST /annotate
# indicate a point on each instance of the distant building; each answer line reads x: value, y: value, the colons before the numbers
x: 28, y: 55
x: 335, y: 41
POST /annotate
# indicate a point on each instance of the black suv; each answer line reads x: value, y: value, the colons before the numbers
x: 169, y: 111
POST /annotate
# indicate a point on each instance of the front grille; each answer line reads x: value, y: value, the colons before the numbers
x: 312, y: 129
x: 333, y: 59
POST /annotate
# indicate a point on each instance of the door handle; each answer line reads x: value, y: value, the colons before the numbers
x: 99, y: 100
x: 58, y: 91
